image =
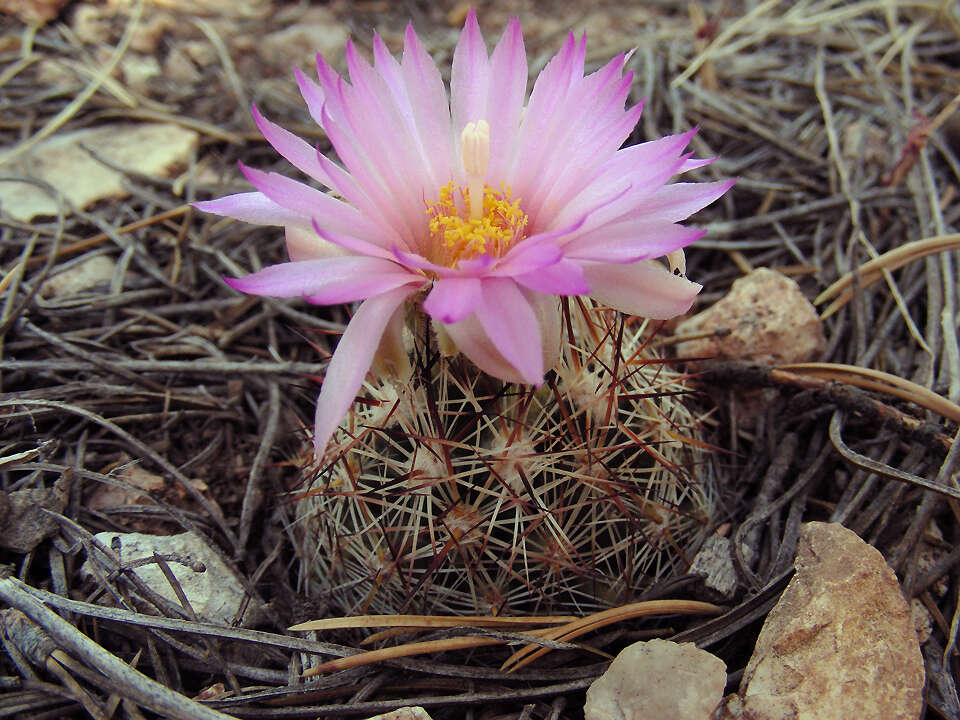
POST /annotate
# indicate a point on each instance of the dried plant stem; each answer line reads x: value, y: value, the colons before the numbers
x: 145, y: 691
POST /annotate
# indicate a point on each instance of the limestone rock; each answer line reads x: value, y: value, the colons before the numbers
x: 24, y: 524
x: 404, y: 713
x: 62, y: 161
x: 82, y: 276
x: 316, y: 31
x: 658, y: 679
x: 764, y: 318
x: 214, y: 594
x: 840, y: 643
x: 714, y: 563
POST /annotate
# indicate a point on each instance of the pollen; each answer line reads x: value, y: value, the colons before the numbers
x: 455, y: 233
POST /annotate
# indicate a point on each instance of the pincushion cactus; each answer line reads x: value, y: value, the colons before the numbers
x: 454, y: 492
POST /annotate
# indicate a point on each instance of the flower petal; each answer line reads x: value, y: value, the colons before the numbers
x: 431, y: 109
x: 351, y: 276
x: 304, y: 200
x: 350, y: 362
x: 471, y: 340
x: 307, y: 245
x: 253, y: 207
x: 508, y: 320
x: 469, y: 76
x: 452, y: 299
x: 508, y: 85
x: 644, y: 288
x: 295, y: 150
x: 563, y: 278
x: 629, y: 241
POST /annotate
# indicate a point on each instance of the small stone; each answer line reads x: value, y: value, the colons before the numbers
x: 179, y: 68
x: 764, y: 318
x: 62, y: 161
x: 80, y: 277
x: 33, y: 12
x: 317, y: 31
x: 149, y: 32
x: 658, y: 679
x: 922, y: 620
x: 215, y: 594
x: 840, y: 643
x: 91, y: 23
x: 138, y: 71
x: 404, y: 713
x: 714, y: 563
x: 23, y: 522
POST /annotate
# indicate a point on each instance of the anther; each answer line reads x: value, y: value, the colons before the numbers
x: 475, y: 152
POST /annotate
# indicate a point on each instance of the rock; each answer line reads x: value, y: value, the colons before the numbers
x: 61, y: 161
x: 764, y: 318
x: 840, y: 643
x: 316, y: 31
x: 714, y: 563
x: 33, y: 12
x: 215, y: 594
x: 82, y: 276
x: 404, y: 713
x: 922, y: 620
x: 658, y: 679
x: 178, y: 68
x: 139, y: 71
x: 23, y: 522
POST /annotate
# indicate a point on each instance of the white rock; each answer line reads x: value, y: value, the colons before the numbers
x: 61, y: 161
x: 714, y: 563
x: 317, y: 31
x: 840, y: 643
x: 404, y: 713
x: 765, y: 319
x: 658, y: 680
x: 80, y: 277
x: 215, y: 594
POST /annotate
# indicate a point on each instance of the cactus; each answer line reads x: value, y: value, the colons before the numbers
x: 453, y: 492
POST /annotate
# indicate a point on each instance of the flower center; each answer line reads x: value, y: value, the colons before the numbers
x: 473, y: 220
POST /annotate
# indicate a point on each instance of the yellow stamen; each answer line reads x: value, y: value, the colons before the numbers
x: 457, y: 235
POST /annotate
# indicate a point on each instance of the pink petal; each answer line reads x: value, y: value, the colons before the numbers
x: 679, y: 201
x: 529, y: 255
x: 471, y: 340
x: 354, y: 245
x: 452, y: 299
x: 307, y: 245
x: 563, y: 278
x: 645, y: 288
x: 469, y: 76
x: 348, y: 275
x: 334, y: 215
x: 253, y: 207
x: 428, y: 97
x: 296, y: 151
x: 508, y: 85
x: 508, y: 320
x: 312, y: 95
x: 391, y: 358
x: 368, y: 178
x: 629, y: 241
x: 547, y: 310
x: 350, y: 362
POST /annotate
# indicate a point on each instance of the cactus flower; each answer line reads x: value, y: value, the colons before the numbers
x: 483, y: 207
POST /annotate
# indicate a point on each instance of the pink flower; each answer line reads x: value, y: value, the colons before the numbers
x: 488, y: 205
